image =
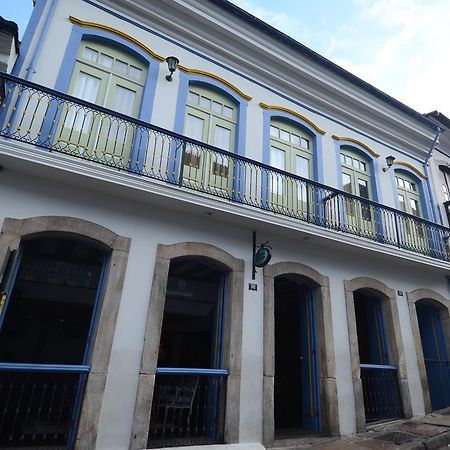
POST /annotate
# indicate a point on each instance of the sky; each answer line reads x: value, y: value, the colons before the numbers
x: 399, y: 46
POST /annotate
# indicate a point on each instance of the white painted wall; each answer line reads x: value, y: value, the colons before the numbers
x: 147, y: 226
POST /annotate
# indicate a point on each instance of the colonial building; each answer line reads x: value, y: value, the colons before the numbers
x: 151, y: 152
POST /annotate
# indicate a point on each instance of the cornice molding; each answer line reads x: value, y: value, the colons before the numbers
x: 355, y: 141
x: 117, y: 32
x: 217, y: 78
x: 410, y: 166
x: 294, y: 113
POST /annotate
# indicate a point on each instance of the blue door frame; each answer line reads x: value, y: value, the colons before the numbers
x: 435, y: 354
x: 7, y: 284
x: 309, y: 371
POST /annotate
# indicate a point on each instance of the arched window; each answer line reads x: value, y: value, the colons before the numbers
x: 47, y: 325
x: 211, y: 117
x: 408, y: 194
x: 110, y: 77
x: 291, y: 150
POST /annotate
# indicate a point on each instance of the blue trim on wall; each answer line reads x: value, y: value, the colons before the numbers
x: 433, y: 205
x: 28, y: 36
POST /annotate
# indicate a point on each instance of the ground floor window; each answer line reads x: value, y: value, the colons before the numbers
x: 51, y: 292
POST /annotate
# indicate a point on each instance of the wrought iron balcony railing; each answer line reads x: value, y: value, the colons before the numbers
x: 39, y: 404
x: 61, y: 123
x: 188, y: 407
x: 381, y: 393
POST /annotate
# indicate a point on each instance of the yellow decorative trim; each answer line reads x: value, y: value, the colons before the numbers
x: 294, y: 113
x: 217, y: 78
x: 410, y: 166
x: 99, y: 26
x: 355, y: 141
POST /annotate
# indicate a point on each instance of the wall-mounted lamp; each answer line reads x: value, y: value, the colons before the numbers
x: 172, y: 63
x: 261, y: 255
x: 389, y: 161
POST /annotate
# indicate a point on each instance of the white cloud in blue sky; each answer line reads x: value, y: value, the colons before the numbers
x: 399, y: 46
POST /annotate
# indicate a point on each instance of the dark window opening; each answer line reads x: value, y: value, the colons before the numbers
x: 191, y: 329
x: 296, y: 402
x: 50, y: 309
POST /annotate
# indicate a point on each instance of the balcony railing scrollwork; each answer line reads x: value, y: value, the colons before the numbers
x: 60, y: 123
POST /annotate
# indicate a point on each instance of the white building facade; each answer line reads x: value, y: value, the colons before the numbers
x: 130, y: 313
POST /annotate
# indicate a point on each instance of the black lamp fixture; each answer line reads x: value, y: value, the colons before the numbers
x: 389, y: 161
x: 261, y: 255
x: 172, y: 63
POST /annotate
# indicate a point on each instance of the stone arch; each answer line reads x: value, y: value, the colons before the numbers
x: 232, y: 335
x: 328, y: 392
x: 14, y: 231
x: 443, y: 304
x: 395, y: 344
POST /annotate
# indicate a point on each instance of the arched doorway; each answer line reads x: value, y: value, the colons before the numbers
x: 189, y: 388
x: 376, y: 348
x: 298, y: 296
x: 296, y: 393
x: 435, y: 351
x: 196, y: 297
x: 378, y: 370
x: 52, y: 292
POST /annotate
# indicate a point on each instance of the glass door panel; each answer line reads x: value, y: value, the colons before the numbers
x: 116, y: 136
x: 79, y: 125
x: 194, y: 159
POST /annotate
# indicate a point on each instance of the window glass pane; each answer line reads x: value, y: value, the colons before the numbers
x: 123, y: 100
x: 355, y: 163
x: 413, y: 187
x: 446, y: 193
x: 195, y: 127
x: 302, y: 166
x: 223, y: 137
x: 86, y: 88
x: 348, y: 160
x: 193, y: 98
x: 277, y: 158
x: 414, y: 207
x: 347, y: 182
x: 407, y: 185
x: 90, y: 54
x: 205, y: 102
x: 217, y: 107
x: 284, y: 135
x: 362, y: 166
x: 135, y: 72
x: 274, y: 131
x: 227, y: 111
x: 400, y: 182
x: 295, y: 139
x: 120, y: 66
x: 105, y: 60
x: 363, y: 188
x: 342, y: 158
x: 401, y: 200
x: 304, y: 143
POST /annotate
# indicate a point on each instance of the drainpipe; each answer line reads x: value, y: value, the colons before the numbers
x: 434, y: 209
x: 31, y: 69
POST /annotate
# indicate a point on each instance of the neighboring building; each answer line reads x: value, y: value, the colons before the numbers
x: 130, y: 315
